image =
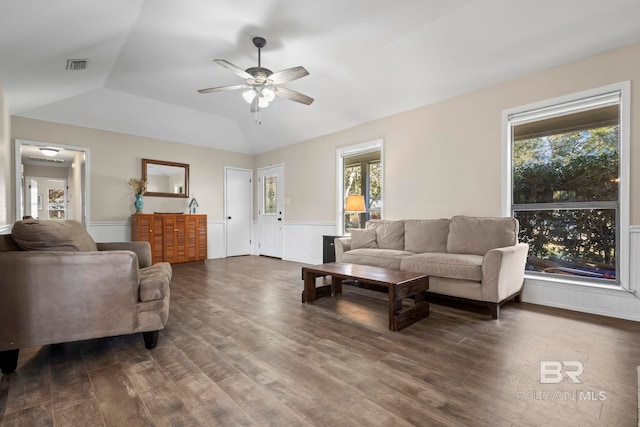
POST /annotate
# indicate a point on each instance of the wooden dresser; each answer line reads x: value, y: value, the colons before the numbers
x: 174, y: 238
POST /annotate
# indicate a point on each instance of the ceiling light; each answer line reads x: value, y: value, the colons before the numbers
x: 49, y: 152
x: 249, y: 95
x: 269, y: 94
x: 263, y: 102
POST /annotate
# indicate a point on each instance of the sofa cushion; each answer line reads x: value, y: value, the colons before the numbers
x: 426, y: 235
x: 154, y: 281
x: 452, y: 266
x: 389, y: 234
x: 476, y: 235
x: 388, y: 258
x: 52, y: 235
x: 363, y: 239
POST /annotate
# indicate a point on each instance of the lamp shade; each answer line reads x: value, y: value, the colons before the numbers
x: 355, y: 203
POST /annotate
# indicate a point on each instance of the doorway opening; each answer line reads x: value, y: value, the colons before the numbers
x: 52, y: 181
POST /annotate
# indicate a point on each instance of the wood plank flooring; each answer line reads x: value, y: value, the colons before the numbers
x: 241, y: 350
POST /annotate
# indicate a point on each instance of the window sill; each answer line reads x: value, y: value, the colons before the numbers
x: 577, y: 284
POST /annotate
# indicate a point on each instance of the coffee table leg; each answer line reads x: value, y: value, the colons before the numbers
x: 395, y: 305
x: 309, y: 293
x: 336, y: 286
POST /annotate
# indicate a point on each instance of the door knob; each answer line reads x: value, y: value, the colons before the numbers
x: 228, y: 217
x: 279, y: 219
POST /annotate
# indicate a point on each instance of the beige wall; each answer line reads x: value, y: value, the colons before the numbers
x: 6, y: 215
x: 440, y: 160
x: 446, y: 158
x: 116, y: 157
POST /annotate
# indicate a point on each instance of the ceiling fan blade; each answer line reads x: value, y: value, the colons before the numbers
x: 293, y: 95
x: 223, y: 88
x: 288, y: 75
x: 233, y: 68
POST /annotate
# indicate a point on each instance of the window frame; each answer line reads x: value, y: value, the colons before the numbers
x: 622, y: 231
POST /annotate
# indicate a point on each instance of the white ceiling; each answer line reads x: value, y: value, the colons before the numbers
x: 367, y: 59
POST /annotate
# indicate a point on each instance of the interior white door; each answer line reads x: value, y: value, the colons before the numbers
x: 238, y: 211
x: 271, y: 185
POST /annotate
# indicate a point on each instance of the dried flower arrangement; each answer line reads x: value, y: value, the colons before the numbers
x: 138, y: 186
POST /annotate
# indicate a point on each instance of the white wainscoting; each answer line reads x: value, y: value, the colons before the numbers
x: 120, y: 231
x: 302, y: 241
x: 606, y: 302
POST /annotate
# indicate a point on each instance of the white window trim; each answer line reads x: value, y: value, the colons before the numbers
x: 625, y: 164
x: 353, y: 150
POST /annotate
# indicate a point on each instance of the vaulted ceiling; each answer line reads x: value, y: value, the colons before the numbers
x: 367, y: 59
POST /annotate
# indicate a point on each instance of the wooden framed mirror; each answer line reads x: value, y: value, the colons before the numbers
x: 166, y: 179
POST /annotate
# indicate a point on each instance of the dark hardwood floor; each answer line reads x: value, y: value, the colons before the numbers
x: 241, y: 350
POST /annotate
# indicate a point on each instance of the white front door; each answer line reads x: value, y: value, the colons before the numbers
x: 271, y: 201
x: 238, y: 211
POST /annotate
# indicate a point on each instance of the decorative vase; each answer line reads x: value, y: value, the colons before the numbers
x: 138, y: 203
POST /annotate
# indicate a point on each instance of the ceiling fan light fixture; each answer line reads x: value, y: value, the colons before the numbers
x: 268, y: 94
x: 261, y: 84
x: 49, y: 152
x: 263, y: 102
x: 249, y: 95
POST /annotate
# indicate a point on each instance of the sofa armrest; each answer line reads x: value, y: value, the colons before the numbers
x: 142, y: 250
x: 55, y: 296
x: 341, y: 245
x: 503, y: 272
x: 154, y: 281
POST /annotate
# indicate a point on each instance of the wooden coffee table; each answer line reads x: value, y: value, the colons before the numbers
x: 401, y: 284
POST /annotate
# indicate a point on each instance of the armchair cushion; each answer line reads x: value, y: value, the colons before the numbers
x: 52, y: 235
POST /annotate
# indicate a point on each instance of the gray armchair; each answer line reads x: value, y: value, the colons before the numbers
x: 58, y: 285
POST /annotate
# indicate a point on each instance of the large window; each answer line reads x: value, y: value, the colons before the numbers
x: 362, y: 177
x: 360, y: 185
x: 565, y: 187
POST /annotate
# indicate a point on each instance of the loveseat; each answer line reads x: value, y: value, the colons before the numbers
x: 58, y: 285
x: 473, y: 259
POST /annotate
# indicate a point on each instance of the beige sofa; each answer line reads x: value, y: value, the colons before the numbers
x: 469, y: 258
x: 58, y: 285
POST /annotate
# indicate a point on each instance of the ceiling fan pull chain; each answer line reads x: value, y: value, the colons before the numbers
x: 258, y: 116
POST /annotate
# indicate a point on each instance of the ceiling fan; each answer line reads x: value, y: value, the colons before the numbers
x: 261, y: 84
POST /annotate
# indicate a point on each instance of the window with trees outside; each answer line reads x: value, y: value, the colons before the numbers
x: 362, y: 176
x: 359, y: 178
x: 565, y: 176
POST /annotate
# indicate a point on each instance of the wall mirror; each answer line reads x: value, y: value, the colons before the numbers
x: 165, y: 179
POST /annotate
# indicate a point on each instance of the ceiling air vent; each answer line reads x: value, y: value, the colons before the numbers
x: 76, y: 64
